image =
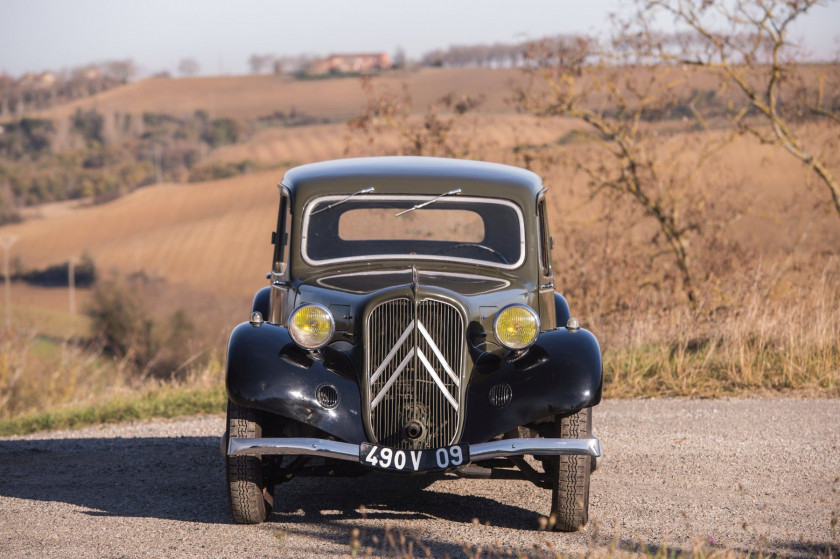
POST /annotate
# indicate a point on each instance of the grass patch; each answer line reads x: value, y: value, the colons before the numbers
x: 660, y: 370
x: 759, y: 346
x: 48, y: 321
x: 163, y: 402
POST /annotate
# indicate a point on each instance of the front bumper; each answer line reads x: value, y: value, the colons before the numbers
x: 350, y: 452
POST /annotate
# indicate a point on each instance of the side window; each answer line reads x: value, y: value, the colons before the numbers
x: 545, y: 239
x: 281, y: 235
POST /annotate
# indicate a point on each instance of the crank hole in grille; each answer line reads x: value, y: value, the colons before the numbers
x: 327, y: 396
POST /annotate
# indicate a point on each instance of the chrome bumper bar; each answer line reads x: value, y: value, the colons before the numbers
x: 350, y: 452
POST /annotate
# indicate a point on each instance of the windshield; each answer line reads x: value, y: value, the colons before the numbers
x: 459, y: 228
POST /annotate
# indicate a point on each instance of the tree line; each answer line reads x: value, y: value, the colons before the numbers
x: 39, y: 91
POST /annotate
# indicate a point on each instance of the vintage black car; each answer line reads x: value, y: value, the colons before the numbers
x: 411, y: 325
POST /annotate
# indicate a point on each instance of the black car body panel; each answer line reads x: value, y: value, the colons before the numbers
x: 267, y: 371
x: 559, y: 374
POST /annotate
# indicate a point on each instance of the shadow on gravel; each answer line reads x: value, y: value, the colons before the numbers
x: 328, y: 509
x: 182, y: 478
x: 177, y: 478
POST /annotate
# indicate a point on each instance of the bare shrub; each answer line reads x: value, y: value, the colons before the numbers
x: 188, y: 67
x: 386, y: 125
x: 126, y: 329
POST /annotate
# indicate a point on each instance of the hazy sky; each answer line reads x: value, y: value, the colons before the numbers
x: 37, y: 35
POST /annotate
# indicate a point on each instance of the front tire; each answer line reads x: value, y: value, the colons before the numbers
x: 570, y: 475
x: 250, y: 497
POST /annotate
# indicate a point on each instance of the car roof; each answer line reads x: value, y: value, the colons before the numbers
x: 412, y: 175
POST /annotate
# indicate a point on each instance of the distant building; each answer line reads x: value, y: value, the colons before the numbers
x: 92, y: 73
x: 350, y: 63
x: 45, y: 80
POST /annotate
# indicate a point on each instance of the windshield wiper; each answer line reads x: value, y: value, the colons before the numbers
x: 426, y: 203
x: 339, y: 202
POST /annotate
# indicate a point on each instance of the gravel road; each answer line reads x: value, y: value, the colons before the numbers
x: 739, y: 474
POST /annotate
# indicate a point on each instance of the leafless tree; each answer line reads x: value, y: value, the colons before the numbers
x: 292, y: 64
x: 627, y: 160
x: 749, y: 44
x: 188, y: 67
x: 258, y: 62
x: 120, y: 70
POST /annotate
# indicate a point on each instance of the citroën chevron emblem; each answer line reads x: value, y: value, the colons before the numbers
x: 424, y: 360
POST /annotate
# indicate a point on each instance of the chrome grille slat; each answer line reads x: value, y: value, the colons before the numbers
x: 414, y: 368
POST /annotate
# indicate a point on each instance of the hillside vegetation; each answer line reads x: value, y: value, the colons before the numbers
x: 187, y: 233
x: 763, y: 242
x: 163, y: 130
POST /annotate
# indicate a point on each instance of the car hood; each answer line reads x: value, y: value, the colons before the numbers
x: 369, y: 281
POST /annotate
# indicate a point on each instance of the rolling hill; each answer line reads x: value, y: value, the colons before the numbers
x: 249, y: 97
x: 214, y: 236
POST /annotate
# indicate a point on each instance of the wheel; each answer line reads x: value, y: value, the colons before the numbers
x: 570, y: 475
x: 250, y: 497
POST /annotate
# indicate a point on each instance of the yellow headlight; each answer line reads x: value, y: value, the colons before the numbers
x: 516, y: 326
x: 311, y: 326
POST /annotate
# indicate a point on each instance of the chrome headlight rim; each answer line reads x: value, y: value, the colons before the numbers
x: 329, y: 335
x: 496, y: 326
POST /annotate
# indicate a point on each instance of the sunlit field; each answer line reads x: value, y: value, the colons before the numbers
x: 766, y: 321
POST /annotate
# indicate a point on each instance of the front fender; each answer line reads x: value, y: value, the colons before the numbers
x: 261, y: 302
x: 560, y: 374
x: 266, y: 370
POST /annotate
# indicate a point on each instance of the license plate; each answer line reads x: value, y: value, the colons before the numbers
x: 429, y: 459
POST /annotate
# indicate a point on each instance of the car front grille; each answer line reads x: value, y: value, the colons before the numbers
x: 414, y: 368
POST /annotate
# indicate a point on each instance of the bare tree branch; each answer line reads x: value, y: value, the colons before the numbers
x: 767, y: 24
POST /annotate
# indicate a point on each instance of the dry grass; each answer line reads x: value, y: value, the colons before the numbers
x: 769, y: 341
x: 53, y: 367
x: 40, y: 373
x: 53, y: 383
x: 778, y: 338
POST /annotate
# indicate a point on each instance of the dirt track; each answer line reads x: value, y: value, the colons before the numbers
x: 742, y: 474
